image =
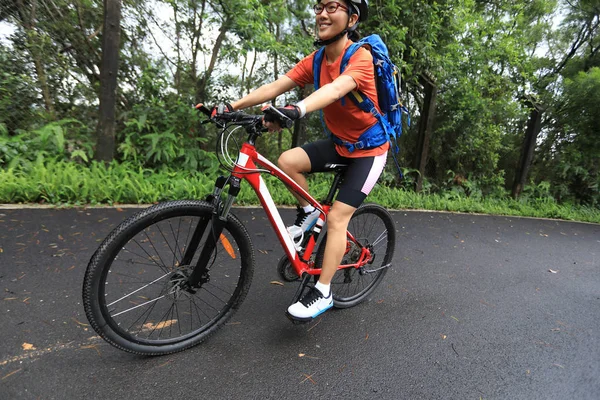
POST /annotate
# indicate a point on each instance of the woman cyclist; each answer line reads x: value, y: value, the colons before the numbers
x: 336, y: 23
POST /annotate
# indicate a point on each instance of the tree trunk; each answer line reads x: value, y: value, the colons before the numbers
x: 41, y: 74
x: 28, y: 20
x: 299, y: 134
x: 105, y: 134
x: 533, y: 129
x: 202, y: 84
x: 425, y: 127
x: 177, y: 77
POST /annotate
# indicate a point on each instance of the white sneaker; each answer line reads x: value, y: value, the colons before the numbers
x: 311, y: 305
x: 304, y: 222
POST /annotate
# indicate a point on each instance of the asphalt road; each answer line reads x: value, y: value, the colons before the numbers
x: 475, y: 307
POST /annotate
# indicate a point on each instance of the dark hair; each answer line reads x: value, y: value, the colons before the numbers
x: 354, y: 35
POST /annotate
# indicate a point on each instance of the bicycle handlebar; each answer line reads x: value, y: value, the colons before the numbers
x: 236, y: 117
x: 241, y: 118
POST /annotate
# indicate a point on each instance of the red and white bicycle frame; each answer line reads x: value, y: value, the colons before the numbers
x: 246, y: 169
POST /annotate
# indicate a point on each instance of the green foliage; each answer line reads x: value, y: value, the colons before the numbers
x: 65, y: 140
x: 163, y: 130
x: 19, y: 108
x: 573, y: 163
x: 59, y: 181
x: 62, y: 182
x: 485, y: 57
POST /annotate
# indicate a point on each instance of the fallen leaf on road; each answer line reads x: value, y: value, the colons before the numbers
x: 79, y: 323
x: 160, y: 325
x: 308, y: 377
x: 163, y: 364
x: 92, y: 346
x: 27, y: 346
x: 304, y: 355
x: 276, y: 283
x: 318, y: 322
x: 443, y: 336
x: 12, y: 373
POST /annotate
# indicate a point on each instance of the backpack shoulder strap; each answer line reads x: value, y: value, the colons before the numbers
x: 317, y: 62
x: 355, y: 96
x: 353, y: 48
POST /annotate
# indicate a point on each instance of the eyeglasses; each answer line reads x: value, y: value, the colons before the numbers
x: 330, y: 7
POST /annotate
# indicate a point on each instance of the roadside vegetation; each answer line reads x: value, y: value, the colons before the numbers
x: 476, y: 76
x: 64, y: 183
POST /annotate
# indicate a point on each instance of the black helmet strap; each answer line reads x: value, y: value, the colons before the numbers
x: 320, y: 42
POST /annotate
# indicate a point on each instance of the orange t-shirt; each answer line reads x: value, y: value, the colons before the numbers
x: 347, y: 122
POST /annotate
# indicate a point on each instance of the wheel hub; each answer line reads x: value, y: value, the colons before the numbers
x: 178, y: 284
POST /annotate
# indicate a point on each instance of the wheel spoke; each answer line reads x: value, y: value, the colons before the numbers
x: 370, y: 226
x: 138, y: 306
x: 135, y: 289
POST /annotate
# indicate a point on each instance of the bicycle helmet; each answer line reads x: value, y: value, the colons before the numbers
x: 358, y: 7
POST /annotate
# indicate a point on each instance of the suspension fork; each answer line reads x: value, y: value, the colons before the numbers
x: 218, y: 219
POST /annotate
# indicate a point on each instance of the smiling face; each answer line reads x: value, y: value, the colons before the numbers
x: 330, y: 24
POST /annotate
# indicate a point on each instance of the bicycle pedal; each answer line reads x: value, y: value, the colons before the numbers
x: 298, y: 321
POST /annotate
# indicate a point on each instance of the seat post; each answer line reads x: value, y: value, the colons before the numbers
x: 337, y: 180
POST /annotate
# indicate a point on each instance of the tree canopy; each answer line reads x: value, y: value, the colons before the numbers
x: 491, y: 60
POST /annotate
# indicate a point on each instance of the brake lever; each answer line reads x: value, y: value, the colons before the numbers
x: 287, y: 122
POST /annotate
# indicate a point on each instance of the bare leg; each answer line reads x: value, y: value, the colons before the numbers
x: 295, y: 163
x: 337, y: 225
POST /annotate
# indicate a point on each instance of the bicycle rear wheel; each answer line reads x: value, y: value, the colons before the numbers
x: 372, y: 226
x: 134, y: 290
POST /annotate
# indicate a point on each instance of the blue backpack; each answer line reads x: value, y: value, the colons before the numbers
x: 388, y: 96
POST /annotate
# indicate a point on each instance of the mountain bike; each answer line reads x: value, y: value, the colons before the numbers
x: 170, y: 275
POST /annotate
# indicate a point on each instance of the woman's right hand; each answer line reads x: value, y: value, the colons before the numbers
x: 276, y: 118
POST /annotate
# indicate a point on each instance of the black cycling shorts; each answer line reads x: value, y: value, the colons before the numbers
x: 360, y: 177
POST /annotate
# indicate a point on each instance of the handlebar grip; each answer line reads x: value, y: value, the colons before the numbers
x: 203, y: 109
x: 288, y: 123
x: 284, y: 121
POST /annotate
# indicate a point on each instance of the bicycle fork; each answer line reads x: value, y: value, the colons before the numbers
x: 217, y: 221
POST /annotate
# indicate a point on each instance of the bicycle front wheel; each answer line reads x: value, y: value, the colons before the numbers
x: 372, y: 226
x: 135, y: 294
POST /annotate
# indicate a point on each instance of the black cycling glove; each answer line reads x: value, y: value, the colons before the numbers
x: 289, y: 112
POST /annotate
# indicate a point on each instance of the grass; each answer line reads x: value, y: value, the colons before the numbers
x: 67, y: 183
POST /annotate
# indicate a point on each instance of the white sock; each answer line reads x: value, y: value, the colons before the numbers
x: 308, y: 209
x: 325, y: 289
